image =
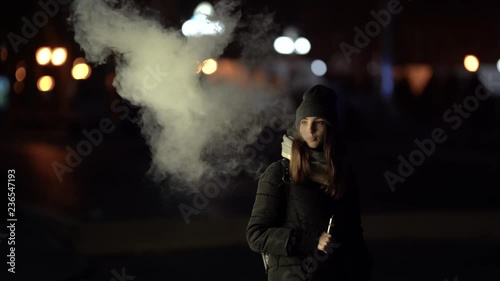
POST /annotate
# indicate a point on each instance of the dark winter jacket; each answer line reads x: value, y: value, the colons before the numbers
x: 289, y: 230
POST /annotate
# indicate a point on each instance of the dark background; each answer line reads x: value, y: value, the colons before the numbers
x: 106, y: 217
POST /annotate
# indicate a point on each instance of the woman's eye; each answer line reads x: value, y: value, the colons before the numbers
x: 303, y: 122
x: 321, y: 122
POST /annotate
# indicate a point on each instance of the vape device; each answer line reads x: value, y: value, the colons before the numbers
x: 331, y: 223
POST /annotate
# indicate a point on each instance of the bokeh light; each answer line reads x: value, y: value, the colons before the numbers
x: 78, y: 60
x: 202, y: 23
x: 318, y: 67
x: 205, y: 9
x: 45, y: 83
x: 4, y: 92
x: 59, y: 56
x: 209, y: 66
x: 471, y: 63
x: 43, y: 55
x: 81, y: 71
x: 18, y: 87
x: 418, y: 76
x: 4, y: 52
x: 21, y: 73
x: 302, y: 46
x: 284, y: 45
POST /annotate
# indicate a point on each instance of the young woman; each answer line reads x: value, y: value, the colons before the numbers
x: 297, y: 196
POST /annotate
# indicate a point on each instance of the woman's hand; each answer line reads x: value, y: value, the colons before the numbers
x: 325, y: 243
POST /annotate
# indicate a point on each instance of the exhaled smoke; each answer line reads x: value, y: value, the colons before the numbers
x: 194, y: 128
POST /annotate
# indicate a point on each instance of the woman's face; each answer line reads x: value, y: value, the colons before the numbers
x: 313, y: 131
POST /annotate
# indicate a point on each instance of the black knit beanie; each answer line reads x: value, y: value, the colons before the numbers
x: 318, y: 101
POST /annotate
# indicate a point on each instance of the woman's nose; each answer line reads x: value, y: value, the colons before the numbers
x: 312, y: 128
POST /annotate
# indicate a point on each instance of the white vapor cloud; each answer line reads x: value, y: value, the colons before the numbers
x: 194, y: 128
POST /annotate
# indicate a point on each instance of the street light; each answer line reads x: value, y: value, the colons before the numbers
x: 471, y: 63
x: 284, y: 45
x: 81, y: 71
x: 45, y: 83
x: 202, y: 22
x: 59, y: 56
x: 209, y: 66
x: 302, y: 46
x: 291, y: 43
x: 318, y: 67
x: 43, y: 55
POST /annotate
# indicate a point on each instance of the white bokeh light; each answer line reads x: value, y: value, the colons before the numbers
x: 201, y: 23
x: 318, y: 67
x: 284, y: 45
x: 302, y: 46
x: 498, y: 65
x: 204, y: 9
x: 200, y: 27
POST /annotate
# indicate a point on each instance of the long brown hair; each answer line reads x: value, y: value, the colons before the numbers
x: 333, y: 148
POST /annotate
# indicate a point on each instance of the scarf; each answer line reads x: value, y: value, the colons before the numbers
x: 318, y: 161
